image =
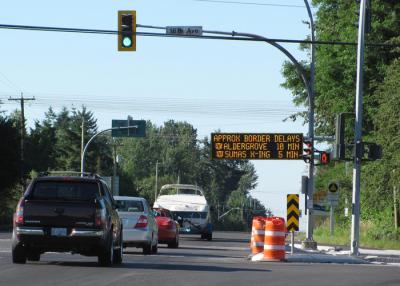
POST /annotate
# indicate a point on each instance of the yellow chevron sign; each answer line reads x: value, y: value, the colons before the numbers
x: 293, y: 212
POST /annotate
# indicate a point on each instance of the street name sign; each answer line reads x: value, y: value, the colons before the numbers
x: 138, y: 131
x: 185, y: 30
x: 257, y: 146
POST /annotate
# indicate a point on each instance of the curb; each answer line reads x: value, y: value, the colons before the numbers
x: 382, y: 259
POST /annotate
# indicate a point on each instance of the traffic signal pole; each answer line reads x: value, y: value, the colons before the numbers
x: 355, y: 217
x: 309, y: 241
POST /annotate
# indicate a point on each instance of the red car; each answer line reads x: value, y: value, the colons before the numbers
x: 168, y: 228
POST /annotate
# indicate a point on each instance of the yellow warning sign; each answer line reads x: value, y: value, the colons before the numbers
x: 293, y: 212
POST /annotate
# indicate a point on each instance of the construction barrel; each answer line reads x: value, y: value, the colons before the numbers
x: 257, y: 235
x: 274, y: 240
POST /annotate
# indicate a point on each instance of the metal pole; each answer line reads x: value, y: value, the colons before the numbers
x: 332, y: 220
x: 355, y: 218
x: 90, y: 141
x: 395, y: 206
x: 114, y: 191
x: 292, y: 242
x: 310, y: 243
x: 156, y: 186
x: 82, y: 136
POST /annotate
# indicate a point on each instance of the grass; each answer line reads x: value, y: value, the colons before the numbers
x: 342, y: 237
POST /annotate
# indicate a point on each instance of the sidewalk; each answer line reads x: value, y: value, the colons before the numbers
x: 329, y: 254
x: 369, y: 255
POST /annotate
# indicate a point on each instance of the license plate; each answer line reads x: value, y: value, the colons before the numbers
x: 59, y: 231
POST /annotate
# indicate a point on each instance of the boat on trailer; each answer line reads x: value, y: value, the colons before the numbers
x: 189, y: 207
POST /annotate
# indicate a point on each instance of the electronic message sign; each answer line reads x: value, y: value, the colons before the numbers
x: 257, y: 146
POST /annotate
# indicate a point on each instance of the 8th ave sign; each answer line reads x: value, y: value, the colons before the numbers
x: 257, y: 146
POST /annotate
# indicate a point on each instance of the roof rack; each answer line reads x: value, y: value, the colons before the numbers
x: 69, y: 173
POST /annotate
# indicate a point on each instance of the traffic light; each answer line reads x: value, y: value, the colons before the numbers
x: 126, y: 31
x: 308, y: 150
x: 324, y: 158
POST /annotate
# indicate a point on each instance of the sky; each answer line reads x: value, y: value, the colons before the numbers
x: 229, y: 86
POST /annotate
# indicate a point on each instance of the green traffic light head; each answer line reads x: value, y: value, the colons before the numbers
x: 127, y: 42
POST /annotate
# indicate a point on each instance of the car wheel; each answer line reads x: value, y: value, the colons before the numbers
x: 147, y: 249
x: 33, y: 256
x: 19, y: 254
x: 175, y: 243
x: 119, y: 252
x: 106, y: 257
x: 154, y: 248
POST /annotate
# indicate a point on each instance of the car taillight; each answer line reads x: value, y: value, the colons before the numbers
x: 19, y: 213
x: 167, y: 223
x: 100, y: 217
x: 142, y: 222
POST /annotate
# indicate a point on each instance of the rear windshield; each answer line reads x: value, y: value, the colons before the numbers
x: 129, y: 206
x: 60, y: 190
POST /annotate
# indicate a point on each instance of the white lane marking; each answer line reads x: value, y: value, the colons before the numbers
x: 213, y: 247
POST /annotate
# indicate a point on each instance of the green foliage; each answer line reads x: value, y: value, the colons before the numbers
x: 55, y: 143
x: 335, y: 85
x: 9, y: 169
x: 9, y: 154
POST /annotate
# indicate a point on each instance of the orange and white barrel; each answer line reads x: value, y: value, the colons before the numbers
x: 274, y: 239
x: 257, y: 235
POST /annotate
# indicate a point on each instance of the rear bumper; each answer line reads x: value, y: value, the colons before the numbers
x: 137, y: 237
x: 38, y: 231
x: 166, y: 234
x: 84, y: 241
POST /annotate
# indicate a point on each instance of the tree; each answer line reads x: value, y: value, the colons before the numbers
x: 9, y: 168
x: 336, y: 64
x: 40, y: 148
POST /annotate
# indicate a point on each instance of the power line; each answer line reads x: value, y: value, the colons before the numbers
x: 233, y: 38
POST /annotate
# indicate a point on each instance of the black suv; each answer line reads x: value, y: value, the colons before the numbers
x: 67, y: 214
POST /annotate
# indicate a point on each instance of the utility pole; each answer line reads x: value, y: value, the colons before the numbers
x: 355, y: 217
x: 22, y: 101
x: 156, y: 186
x: 82, y: 136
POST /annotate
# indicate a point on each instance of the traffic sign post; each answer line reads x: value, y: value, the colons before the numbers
x: 257, y: 146
x: 333, y: 199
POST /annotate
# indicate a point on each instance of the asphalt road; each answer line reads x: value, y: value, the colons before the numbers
x: 197, y: 262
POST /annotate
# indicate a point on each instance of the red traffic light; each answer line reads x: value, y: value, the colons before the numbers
x: 324, y: 158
